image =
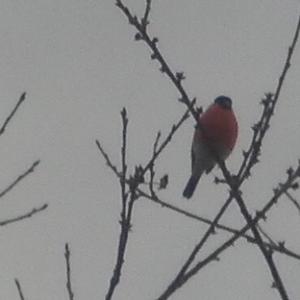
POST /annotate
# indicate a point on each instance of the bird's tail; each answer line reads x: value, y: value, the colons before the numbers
x: 190, y: 186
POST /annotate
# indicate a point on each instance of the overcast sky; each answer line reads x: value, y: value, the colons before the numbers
x: 79, y: 64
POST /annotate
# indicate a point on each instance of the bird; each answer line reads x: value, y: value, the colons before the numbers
x: 214, y: 137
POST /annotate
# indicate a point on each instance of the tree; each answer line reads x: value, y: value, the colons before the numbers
x: 133, y: 185
x: 15, y: 182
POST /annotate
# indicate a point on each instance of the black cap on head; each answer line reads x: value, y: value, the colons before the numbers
x: 224, y: 102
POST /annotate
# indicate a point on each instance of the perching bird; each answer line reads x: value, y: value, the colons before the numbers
x: 216, y: 134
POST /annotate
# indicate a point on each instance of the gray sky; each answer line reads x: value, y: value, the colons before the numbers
x: 79, y: 64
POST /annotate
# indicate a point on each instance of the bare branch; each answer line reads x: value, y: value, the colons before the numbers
x: 234, y: 185
x: 11, y: 115
x: 152, y: 172
x: 68, y: 270
x: 223, y: 227
x: 24, y: 216
x: 144, y: 20
x: 293, y: 200
x: 166, y: 141
x: 125, y: 228
x: 107, y: 159
x: 19, y: 289
x: 269, y: 107
x: 127, y: 208
x: 259, y: 130
x: 266, y: 235
x: 177, y: 77
x: 19, y: 178
x: 197, y: 248
x: 133, y: 182
x: 288, y: 184
x: 266, y: 253
x: 155, y: 145
x: 155, y: 155
x: 124, y: 166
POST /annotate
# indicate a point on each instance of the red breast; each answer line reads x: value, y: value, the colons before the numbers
x: 220, y: 126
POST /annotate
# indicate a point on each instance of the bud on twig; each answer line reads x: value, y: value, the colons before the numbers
x: 138, y: 36
x: 180, y: 76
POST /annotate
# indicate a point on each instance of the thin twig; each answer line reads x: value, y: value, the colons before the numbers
x: 223, y: 227
x: 133, y: 183
x: 259, y: 130
x: 156, y: 54
x: 145, y: 20
x: 236, y: 194
x: 68, y: 271
x: 124, y: 166
x: 155, y: 145
x: 262, y: 213
x: 214, y: 255
x: 19, y: 289
x: 200, y: 244
x: 24, y: 216
x: 126, y: 211
x: 19, y: 178
x: 254, y: 151
x: 293, y: 200
x: 152, y: 172
x: 269, y: 105
x: 234, y: 186
x: 267, y: 236
x: 107, y: 159
x: 154, y: 156
x: 11, y: 115
x: 166, y: 141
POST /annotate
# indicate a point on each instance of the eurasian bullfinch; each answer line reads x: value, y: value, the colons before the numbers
x: 215, y: 135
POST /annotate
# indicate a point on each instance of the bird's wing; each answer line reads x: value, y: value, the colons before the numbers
x: 192, y: 159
